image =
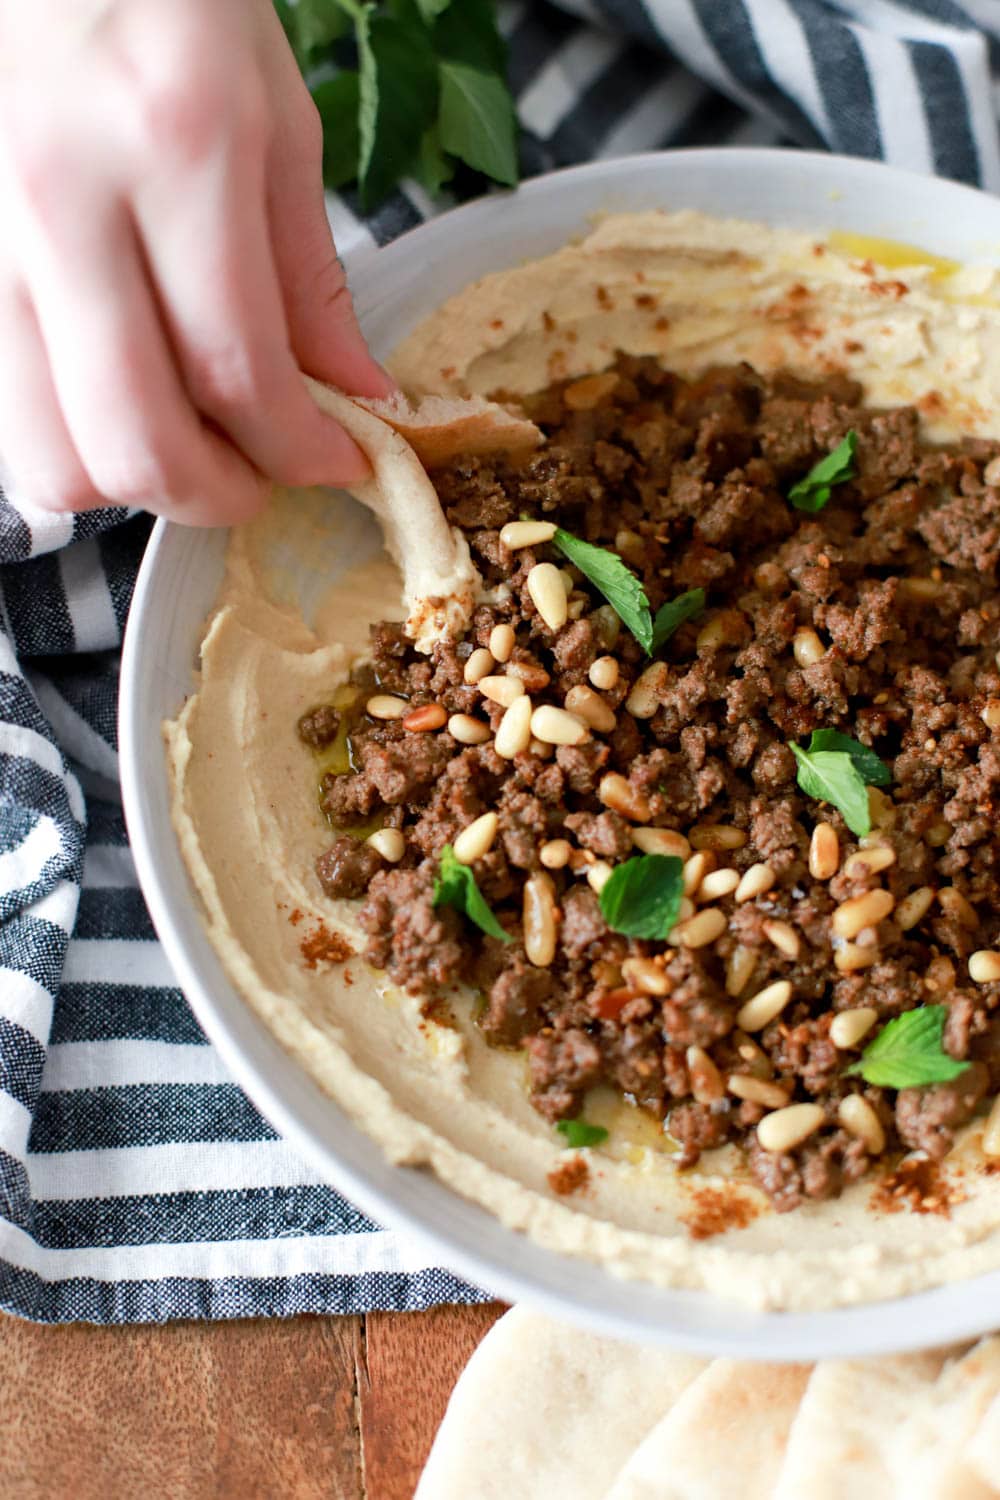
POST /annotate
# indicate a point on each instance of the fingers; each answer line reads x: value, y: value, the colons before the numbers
x: 223, y: 307
x: 40, y: 463
x: 322, y: 325
x: 136, y: 434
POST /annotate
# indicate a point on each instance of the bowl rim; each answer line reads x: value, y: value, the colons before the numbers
x: 936, y: 1315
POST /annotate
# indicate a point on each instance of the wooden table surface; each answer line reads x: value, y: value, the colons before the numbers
x: 343, y: 1408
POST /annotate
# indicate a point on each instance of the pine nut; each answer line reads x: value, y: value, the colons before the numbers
x: 514, y: 730
x: 699, y: 930
x: 661, y: 841
x: 644, y: 699
x: 717, y: 836
x: 991, y: 473
x: 919, y: 589
x: 646, y: 976
x: 991, y: 713
x: 428, y: 716
x: 757, y: 1090
x: 585, y: 393
x: 718, y: 883
x: 598, y: 875
x: 591, y: 708
x: 756, y: 881
x: 555, y: 854
x: 706, y: 1080
x: 784, y: 937
x: 384, y: 706
x: 881, y: 808
x: 467, y: 730
x: 554, y: 726
x: 388, y: 842
x: 695, y: 870
x: 539, y: 748
x: 851, y: 957
x: 530, y: 673
x: 686, y: 909
x: 757, y: 1061
x: 914, y: 907
x: 866, y: 910
x: 859, y: 1119
x: 807, y: 648
x: 713, y: 634
x: 476, y: 839
x: 824, y: 852
x: 984, y: 966
x: 761, y: 1009
x: 502, y: 642
x: 789, y: 1127
x: 618, y: 794
x: 739, y: 969
x: 991, y: 1131
x: 938, y: 833
x: 545, y: 588
x: 869, y: 861
x: 517, y: 534
x: 479, y: 665
x: 538, y: 915
x: 958, y: 908
x: 849, y: 1026
x: 607, y: 625
x: 604, y: 673
x: 630, y: 545
x: 502, y: 690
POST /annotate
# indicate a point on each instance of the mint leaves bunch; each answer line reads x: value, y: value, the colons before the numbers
x: 428, y: 90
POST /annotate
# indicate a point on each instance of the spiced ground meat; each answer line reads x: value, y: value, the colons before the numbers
x: 877, y: 616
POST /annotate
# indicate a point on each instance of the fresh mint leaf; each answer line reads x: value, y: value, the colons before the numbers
x: 433, y: 168
x: 873, y: 771
x: 673, y: 614
x: 337, y: 102
x: 642, y: 897
x: 614, y: 580
x: 398, y: 98
x: 908, y: 1052
x: 813, y: 492
x: 578, y: 1133
x: 832, y: 776
x: 477, y: 121
x: 466, y: 32
x: 431, y: 9
x: 455, y: 885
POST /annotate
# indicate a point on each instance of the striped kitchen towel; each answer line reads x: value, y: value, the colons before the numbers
x: 137, y: 1183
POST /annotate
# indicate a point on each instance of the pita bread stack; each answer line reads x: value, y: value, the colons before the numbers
x: 544, y: 1411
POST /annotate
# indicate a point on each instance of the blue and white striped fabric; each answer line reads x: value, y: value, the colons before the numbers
x: 136, y: 1181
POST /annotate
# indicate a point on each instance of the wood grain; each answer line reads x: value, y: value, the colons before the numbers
x: 344, y: 1408
x: 411, y: 1363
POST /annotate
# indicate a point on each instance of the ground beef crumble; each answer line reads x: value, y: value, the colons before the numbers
x: 688, y: 482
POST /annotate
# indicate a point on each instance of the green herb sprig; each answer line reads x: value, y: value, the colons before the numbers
x: 834, y: 768
x: 578, y: 1133
x: 626, y: 595
x: 455, y: 885
x: 428, y: 90
x: 812, y: 492
x: 908, y: 1052
x: 642, y: 897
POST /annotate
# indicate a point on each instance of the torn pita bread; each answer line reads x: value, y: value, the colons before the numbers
x: 724, y: 1438
x: 841, y: 1441
x: 402, y: 441
x: 931, y: 1452
x: 544, y: 1411
x: 438, y: 428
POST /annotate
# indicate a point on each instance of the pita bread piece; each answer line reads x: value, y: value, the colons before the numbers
x: 543, y: 1411
x: 723, y: 1439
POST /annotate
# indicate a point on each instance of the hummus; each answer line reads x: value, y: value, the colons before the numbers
x: 694, y: 291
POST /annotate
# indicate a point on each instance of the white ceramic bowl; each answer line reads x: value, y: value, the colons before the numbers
x: 394, y: 288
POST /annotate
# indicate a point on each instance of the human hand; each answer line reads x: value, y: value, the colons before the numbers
x: 166, y: 266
